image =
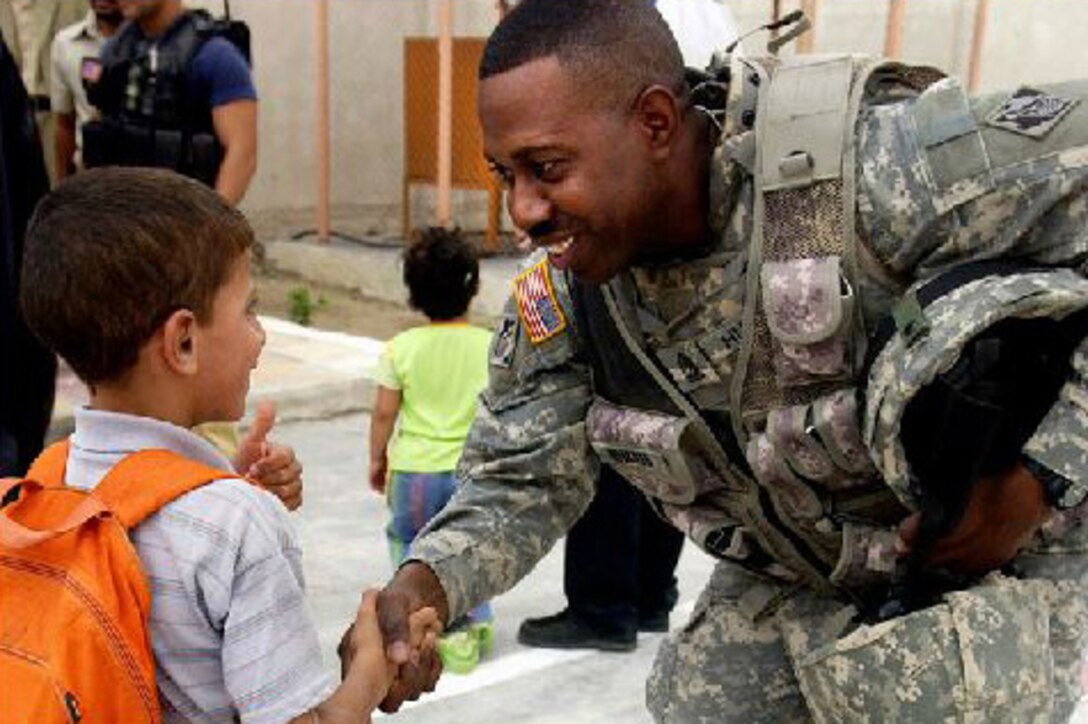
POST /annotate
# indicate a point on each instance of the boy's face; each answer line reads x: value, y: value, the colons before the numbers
x: 228, y: 347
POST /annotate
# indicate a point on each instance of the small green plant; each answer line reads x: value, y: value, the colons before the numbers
x: 301, y: 305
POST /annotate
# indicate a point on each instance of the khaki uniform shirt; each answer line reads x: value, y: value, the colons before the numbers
x: 71, y: 47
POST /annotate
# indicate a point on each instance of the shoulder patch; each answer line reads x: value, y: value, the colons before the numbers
x: 1030, y: 112
x: 505, y: 342
x: 538, y: 306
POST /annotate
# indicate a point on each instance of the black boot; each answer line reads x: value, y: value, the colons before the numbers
x: 566, y: 630
x: 654, y: 622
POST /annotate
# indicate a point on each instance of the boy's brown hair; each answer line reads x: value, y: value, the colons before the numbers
x: 111, y: 253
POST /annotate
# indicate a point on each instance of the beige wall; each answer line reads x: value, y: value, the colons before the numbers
x: 1027, y: 40
x: 366, y: 39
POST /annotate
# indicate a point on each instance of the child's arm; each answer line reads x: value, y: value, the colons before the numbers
x: 382, y: 420
x: 269, y: 464
x: 370, y: 674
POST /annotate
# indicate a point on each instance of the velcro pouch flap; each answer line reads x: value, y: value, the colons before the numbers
x: 802, y: 299
x: 943, y: 113
x: 644, y: 447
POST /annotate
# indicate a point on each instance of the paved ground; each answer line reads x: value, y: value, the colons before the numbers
x: 341, y: 525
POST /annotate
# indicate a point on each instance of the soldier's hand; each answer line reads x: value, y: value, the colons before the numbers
x: 414, y: 588
x: 1003, y: 514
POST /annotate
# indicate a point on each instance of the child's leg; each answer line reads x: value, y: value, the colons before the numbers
x: 413, y: 498
x: 481, y: 613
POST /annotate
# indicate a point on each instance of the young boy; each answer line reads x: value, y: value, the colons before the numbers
x: 139, y: 279
x: 428, y: 380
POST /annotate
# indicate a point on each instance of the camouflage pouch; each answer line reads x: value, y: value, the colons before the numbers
x: 822, y: 441
x: 982, y: 655
x: 653, y: 451
x: 772, y: 471
x: 808, y: 308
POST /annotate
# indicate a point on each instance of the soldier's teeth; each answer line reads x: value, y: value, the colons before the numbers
x: 562, y: 246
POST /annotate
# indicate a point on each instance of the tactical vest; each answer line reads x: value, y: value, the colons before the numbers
x: 150, y: 117
x: 781, y: 478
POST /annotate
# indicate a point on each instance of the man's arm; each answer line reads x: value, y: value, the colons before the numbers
x: 1005, y: 511
x: 236, y: 128
x: 1057, y: 453
x: 62, y: 103
x: 527, y: 475
x: 64, y: 144
x: 221, y: 72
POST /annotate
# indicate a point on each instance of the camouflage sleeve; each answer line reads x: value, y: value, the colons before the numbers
x: 939, y: 184
x: 1060, y: 443
x: 527, y: 472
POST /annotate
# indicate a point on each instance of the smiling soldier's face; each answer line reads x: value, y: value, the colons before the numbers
x: 580, y: 178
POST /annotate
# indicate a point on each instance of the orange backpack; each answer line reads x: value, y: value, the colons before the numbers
x: 74, y: 600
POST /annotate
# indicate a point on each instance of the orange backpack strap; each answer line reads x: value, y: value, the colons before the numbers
x: 17, y: 536
x: 47, y: 471
x: 147, y: 480
x: 132, y: 490
x: 48, y: 468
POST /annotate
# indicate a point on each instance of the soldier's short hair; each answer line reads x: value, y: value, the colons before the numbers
x: 112, y: 252
x: 615, y: 48
x: 441, y: 273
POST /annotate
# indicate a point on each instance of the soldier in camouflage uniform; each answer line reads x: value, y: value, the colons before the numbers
x: 700, y: 321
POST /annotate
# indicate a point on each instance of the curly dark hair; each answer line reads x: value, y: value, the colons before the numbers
x: 441, y: 273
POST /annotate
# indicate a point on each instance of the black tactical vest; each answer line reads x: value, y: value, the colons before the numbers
x: 150, y: 116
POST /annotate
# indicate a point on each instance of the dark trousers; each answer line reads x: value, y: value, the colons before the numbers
x: 27, y: 369
x: 620, y: 559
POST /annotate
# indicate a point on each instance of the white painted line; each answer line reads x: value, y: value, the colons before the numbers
x: 522, y: 663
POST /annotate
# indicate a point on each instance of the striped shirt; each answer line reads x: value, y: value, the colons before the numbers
x: 229, y: 629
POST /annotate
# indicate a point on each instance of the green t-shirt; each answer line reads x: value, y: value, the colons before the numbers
x: 439, y: 369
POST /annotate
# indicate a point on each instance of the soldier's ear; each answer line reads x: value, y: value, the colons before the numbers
x: 657, y: 112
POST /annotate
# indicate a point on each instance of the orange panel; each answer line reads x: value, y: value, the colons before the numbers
x: 420, y: 109
x: 421, y: 112
x: 469, y: 170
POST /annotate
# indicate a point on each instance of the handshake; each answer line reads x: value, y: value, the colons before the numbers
x: 389, y: 653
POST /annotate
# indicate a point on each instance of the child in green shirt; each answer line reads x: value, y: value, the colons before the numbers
x: 428, y: 379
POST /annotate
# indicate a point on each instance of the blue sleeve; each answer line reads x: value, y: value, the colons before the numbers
x: 221, y: 74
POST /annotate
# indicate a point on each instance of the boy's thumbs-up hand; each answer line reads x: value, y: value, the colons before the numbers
x: 270, y: 465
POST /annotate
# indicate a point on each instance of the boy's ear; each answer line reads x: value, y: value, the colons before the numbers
x: 179, y: 342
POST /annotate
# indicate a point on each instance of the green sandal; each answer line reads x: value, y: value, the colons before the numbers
x: 484, y: 631
x: 459, y: 651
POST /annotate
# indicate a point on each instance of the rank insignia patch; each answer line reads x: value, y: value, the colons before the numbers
x: 505, y: 342
x: 1030, y: 112
x: 537, y: 305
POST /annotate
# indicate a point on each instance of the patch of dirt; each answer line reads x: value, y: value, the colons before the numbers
x: 341, y: 311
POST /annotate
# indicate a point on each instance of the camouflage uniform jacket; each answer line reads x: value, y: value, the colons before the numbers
x: 924, y: 202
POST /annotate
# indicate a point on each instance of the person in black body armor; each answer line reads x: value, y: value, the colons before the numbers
x: 27, y: 368
x: 175, y: 92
